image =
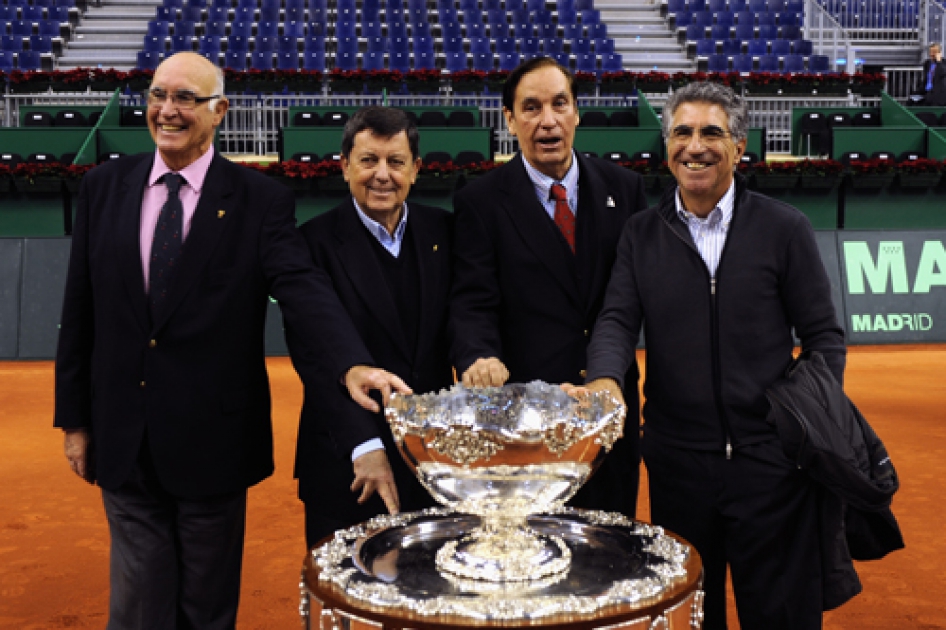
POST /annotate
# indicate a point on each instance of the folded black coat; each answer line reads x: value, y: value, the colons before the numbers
x: 825, y: 434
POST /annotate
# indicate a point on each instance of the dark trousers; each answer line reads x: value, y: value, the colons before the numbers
x: 756, y: 513
x: 175, y: 562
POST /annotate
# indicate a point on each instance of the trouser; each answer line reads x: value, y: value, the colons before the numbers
x: 756, y: 513
x: 175, y: 562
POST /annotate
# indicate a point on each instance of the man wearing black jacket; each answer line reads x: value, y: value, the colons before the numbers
x: 721, y: 276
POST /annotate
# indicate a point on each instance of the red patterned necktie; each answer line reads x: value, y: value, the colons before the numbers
x: 564, y: 217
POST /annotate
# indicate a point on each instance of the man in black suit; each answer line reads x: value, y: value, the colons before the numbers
x: 390, y: 262
x: 161, y: 384
x: 933, y: 79
x: 535, y: 241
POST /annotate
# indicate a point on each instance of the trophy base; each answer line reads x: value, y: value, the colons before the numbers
x: 505, y: 555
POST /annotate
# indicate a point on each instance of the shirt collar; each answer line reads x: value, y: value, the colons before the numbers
x: 543, y: 183
x: 194, y: 173
x: 723, y: 209
x: 377, y: 230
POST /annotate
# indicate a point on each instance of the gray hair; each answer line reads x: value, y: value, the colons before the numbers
x: 218, y: 89
x: 715, y: 94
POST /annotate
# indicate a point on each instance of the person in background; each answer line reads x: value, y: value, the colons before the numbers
x: 933, y: 79
x: 535, y: 241
x: 390, y: 262
x: 161, y: 384
x: 721, y: 277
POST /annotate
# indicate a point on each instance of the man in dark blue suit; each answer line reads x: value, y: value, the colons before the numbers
x: 390, y: 263
x: 161, y: 384
x: 535, y: 242
x: 933, y: 79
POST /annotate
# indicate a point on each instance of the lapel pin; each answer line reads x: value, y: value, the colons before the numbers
x: 220, y: 213
x: 435, y: 247
x: 610, y: 202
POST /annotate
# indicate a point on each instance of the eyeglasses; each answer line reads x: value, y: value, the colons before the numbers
x: 183, y: 99
x: 710, y: 134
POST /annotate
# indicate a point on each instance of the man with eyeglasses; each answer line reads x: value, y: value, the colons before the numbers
x: 161, y: 384
x: 719, y: 277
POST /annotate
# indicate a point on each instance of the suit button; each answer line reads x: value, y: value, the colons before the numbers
x: 152, y: 343
x: 141, y: 384
x: 583, y: 373
x: 587, y: 333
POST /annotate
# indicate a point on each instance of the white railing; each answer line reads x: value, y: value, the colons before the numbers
x: 828, y: 37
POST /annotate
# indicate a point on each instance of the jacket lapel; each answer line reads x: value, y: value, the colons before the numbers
x: 537, y: 231
x: 129, y: 239
x: 431, y: 270
x: 366, y: 275
x: 206, y: 228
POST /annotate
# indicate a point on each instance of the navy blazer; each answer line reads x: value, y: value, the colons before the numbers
x: 192, y: 375
x: 331, y: 425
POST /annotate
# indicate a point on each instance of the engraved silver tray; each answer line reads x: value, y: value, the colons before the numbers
x: 389, y: 563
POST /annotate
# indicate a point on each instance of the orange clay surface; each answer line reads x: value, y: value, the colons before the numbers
x: 54, y: 539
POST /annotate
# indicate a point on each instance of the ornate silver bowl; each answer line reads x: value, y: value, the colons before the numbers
x: 502, y: 454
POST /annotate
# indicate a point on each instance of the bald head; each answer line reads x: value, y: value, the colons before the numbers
x: 183, y: 133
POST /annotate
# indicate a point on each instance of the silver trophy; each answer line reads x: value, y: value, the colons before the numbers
x: 503, y: 454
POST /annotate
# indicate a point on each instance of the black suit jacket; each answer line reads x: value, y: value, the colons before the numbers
x: 331, y: 425
x: 519, y: 294
x: 936, y: 96
x: 192, y: 375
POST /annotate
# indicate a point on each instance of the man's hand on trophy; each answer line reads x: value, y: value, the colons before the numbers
x: 373, y: 473
x: 361, y: 379
x: 486, y: 372
x: 598, y: 385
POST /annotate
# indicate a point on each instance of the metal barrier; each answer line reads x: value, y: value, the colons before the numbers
x: 903, y: 81
x: 828, y: 37
x: 252, y: 124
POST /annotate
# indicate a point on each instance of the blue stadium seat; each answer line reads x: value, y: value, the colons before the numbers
x: 455, y: 61
x: 731, y: 47
x: 546, y: 30
x: 238, y: 43
x: 766, y: 17
x: 11, y: 43
x: 555, y: 45
x: 569, y: 16
x: 152, y: 43
x: 696, y: 5
x: 703, y: 18
x: 265, y: 43
x: 582, y: 46
x: 33, y: 13
x: 59, y: 14
x: 508, y: 61
x: 182, y: 43
x: 245, y: 14
x: 6, y: 60
x: 768, y: 31
x: 695, y: 33
x: 716, y: 5
x: 484, y: 62
x: 372, y: 60
x: 781, y: 47
x: 314, y: 42
x: 183, y: 27
x: 423, y: 44
x: 612, y: 62
x: 725, y: 18
x: 717, y: 63
x: 377, y: 44
x: 789, y: 32
x: 719, y: 32
x: 235, y: 60
x: 347, y: 44
x: 400, y: 43
x: 529, y: 46
x: 145, y: 60
x: 209, y: 46
x: 757, y: 47
x: 819, y: 63
x: 261, y: 60
x: 744, y: 17
x: 8, y: 14
x: 523, y: 29
x: 166, y: 14
x: 802, y: 47
x: 742, y: 63
x: 400, y: 61
x: 598, y: 31
x: 41, y: 43
x: 705, y: 47
x: 480, y: 44
x: 793, y: 63
x: 50, y: 28
x: 159, y: 28
x: 269, y: 14
x: 586, y: 62
x: 192, y: 14
x: 561, y: 58
x: 744, y: 32
x: 425, y: 60
x: 215, y: 28
x: 589, y: 16
x: 572, y: 31
x: 313, y: 59
x: 243, y: 29
x: 674, y: 6
x: 506, y: 44
x: 268, y: 29
x: 288, y: 43
x: 371, y: 29
x: 294, y: 28
x: 768, y: 63
x: 346, y: 60
x: 297, y: 14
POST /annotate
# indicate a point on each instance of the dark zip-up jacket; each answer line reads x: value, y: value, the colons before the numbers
x: 715, y: 344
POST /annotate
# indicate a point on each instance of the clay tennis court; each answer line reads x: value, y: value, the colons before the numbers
x: 54, y: 539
